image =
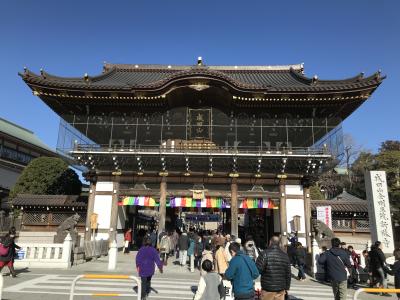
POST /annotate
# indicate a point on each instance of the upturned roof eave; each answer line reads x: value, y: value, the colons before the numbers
x: 309, y: 85
x: 161, y: 90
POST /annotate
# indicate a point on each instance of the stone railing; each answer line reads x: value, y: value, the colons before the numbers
x: 34, y: 255
x: 351, y: 225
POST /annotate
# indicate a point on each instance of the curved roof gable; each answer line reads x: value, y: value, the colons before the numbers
x: 288, y: 78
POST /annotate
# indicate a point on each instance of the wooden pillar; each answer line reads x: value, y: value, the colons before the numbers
x: 114, y: 211
x: 307, y: 216
x: 234, y: 209
x: 163, y: 204
x: 282, y: 212
x: 90, y: 208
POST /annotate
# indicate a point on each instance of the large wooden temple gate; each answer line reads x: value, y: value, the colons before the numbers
x: 252, y: 136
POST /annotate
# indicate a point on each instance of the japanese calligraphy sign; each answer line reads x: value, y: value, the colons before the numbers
x: 199, y: 123
x: 324, y: 214
x: 379, y: 209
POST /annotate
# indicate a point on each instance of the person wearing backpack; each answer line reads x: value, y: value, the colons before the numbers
x: 337, y: 260
x: 210, y: 284
x: 242, y: 271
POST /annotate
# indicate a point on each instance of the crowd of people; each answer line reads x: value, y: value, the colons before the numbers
x: 343, y: 265
x: 218, y: 257
x: 221, y: 257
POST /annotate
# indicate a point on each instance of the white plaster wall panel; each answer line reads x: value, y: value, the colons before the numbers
x: 102, y: 207
x: 294, y: 190
x: 104, y: 186
x: 295, y: 207
x: 121, y: 217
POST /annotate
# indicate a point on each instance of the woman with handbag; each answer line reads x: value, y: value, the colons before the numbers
x: 7, y: 254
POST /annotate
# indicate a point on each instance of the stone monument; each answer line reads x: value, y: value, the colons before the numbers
x: 380, y: 219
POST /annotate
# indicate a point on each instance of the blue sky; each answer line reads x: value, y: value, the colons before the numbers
x: 335, y: 40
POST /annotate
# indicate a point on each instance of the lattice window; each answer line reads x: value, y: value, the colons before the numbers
x: 341, y: 224
x: 58, y: 218
x: 35, y: 218
x: 82, y: 220
x: 347, y: 224
x: 362, y: 224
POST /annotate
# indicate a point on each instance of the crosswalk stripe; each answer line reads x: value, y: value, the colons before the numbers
x: 120, y: 283
x: 90, y: 294
x: 102, y: 286
x: 164, y: 287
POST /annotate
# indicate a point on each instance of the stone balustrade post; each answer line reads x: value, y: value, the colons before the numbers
x: 112, y: 256
x: 67, y: 250
x: 315, y: 255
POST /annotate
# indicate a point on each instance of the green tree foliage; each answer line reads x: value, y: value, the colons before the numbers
x: 364, y: 162
x: 315, y: 193
x: 47, y: 175
x: 388, y: 159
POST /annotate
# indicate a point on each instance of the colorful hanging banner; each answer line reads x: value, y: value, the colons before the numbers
x: 251, y: 203
x: 208, y: 202
x: 139, y: 201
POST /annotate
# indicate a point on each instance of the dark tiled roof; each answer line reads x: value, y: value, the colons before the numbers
x: 49, y: 200
x: 345, y: 196
x: 343, y: 202
x: 149, y: 77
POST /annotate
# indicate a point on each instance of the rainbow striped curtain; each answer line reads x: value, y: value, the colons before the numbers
x: 251, y: 203
x: 208, y: 202
x: 139, y: 200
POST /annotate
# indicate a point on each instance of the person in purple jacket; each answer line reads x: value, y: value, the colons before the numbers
x: 146, y: 258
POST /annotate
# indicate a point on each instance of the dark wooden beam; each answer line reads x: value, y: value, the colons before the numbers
x: 234, y: 209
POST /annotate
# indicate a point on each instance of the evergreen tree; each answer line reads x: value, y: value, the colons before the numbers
x: 47, y: 175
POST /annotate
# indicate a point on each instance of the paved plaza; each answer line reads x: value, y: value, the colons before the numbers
x: 175, y: 283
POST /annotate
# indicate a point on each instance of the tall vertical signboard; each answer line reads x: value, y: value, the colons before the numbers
x: 324, y: 214
x: 379, y: 209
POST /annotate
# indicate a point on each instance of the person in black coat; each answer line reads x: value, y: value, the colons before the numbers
x: 275, y: 269
x: 300, y: 256
x: 395, y: 270
x: 378, y: 264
